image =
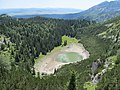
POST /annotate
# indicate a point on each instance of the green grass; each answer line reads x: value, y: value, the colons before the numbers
x: 112, y: 58
x: 6, y: 58
x: 69, y: 40
x: 69, y: 57
x: 5, y: 55
x: 56, y: 49
x: 89, y: 86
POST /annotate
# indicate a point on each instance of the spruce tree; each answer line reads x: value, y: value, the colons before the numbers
x: 72, y: 84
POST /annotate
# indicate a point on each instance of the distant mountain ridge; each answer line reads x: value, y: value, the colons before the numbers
x: 102, y: 12
x: 38, y: 11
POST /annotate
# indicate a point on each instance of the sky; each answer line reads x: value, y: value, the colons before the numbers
x: 78, y: 4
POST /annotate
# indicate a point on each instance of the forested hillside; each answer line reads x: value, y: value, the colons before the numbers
x: 23, y: 40
x: 110, y: 80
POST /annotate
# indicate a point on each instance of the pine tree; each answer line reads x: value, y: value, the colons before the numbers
x: 5, y: 41
x: 33, y: 72
x: 8, y: 45
x: 2, y: 46
x: 17, y: 58
x: 72, y: 85
x: 12, y: 52
x: 65, y: 42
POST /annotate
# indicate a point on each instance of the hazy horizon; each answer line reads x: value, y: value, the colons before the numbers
x: 75, y: 4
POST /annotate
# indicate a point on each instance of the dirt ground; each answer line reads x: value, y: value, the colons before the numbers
x: 48, y: 64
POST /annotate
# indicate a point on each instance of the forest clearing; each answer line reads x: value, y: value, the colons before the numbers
x: 71, y: 53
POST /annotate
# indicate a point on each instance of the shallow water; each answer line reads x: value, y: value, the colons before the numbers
x: 69, y: 57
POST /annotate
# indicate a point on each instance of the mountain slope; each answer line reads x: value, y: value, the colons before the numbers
x: 111, y: 79
x: 33, y: 36
x: 102, y: 12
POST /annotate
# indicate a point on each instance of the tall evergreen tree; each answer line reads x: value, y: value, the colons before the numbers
x: 2, y: 46
x: 65, y: 42
x: 72, y: 84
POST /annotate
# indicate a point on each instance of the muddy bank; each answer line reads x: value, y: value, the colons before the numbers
x: 49, y: 63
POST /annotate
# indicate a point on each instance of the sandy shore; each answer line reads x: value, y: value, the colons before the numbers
x: 49, y: 64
